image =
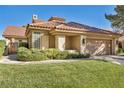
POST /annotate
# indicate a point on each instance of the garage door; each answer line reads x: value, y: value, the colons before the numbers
x: 98, y: 47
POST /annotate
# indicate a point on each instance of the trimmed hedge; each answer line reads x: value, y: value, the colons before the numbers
x: 2, y: 47
x: 25, y: 54
x: 52, y: 53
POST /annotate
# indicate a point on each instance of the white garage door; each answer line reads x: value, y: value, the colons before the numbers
x: 98, y: 47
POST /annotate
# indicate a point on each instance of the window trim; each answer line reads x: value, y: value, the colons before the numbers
x: 36, y: 40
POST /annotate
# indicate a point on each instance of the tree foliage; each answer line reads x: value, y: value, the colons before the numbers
x: 117, y: 19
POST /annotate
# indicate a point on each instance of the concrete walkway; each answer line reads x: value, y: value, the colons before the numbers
x: 12, y: 59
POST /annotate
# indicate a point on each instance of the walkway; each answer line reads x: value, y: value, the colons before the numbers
x: 12, y: 59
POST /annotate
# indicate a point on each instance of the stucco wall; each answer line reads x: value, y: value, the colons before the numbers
x: 68, y: 42
x: 76, y: 43
x: 13, y: 44
x: 52, y: 41
x: 72, y: 42
x: 44, y: 41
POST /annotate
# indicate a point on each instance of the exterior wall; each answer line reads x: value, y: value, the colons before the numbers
x: 82, y: 44
x: 68, y: 44
x: 51, y: 41
x: 29, y: 38
x: 12, y: 44
x: 44, y: 42
x: 114, y: 46
x: 44, y: 39
x: 76, y: 43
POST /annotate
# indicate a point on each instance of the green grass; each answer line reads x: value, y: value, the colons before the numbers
x: 121, y: 54
x: 76, y: 74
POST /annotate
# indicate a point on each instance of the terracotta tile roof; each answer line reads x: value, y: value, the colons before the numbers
x: 36, y: 21
x: 15, y: 31
x: 69, y: 26
x: 46, y: 24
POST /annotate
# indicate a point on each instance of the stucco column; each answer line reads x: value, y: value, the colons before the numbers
x: 60, y: 42
x: 44, y: 42
x: 114, y: 46
x: 82, y: 44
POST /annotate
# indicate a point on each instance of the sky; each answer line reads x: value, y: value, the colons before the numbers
x: 21, y: 15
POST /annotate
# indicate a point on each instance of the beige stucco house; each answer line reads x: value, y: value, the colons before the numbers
x: 72, y: 36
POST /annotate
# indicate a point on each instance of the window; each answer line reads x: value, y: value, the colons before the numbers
x: 36, y: 39
x: 83, y: 41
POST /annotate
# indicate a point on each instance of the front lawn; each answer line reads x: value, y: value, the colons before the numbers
x: 87, y: 73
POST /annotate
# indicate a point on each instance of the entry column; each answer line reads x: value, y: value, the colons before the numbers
x: 60, y: 42
x: 114, y: 46
x: 82, y: 44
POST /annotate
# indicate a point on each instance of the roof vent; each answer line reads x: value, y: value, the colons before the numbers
x: 58, y: 19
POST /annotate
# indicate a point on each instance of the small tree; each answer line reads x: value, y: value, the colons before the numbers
x: 117, y: 19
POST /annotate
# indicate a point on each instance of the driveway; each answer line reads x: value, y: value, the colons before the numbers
x: 113, y: 58
x: 12, y: 59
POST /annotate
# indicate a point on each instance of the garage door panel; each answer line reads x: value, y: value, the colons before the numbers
x: 98, y: 47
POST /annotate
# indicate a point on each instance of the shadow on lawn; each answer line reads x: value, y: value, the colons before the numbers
x: 12, y: 57
x: 101, y: 60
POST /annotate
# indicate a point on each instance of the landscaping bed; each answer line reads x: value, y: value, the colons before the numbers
x: 25, y: 54
x: 79, y: 74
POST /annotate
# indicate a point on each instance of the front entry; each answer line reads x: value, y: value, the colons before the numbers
x: 12, y: 48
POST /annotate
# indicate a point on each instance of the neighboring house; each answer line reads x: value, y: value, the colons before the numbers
x: 14, y: 36
x: 57, y: 33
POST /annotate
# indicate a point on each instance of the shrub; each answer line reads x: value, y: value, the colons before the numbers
x: 2, y: 47
x: 120, y: 50
x: 78, y: 55
x: 24, y: 54
x: 63, y: 55
x: 85, y: 55
x: 52, y: 53
x: 38, y: 55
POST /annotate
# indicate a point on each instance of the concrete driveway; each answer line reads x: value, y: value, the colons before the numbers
x: 113, y: 58
x: 12, y: 59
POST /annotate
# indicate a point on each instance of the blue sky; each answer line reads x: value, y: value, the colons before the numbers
x: 21, y: 15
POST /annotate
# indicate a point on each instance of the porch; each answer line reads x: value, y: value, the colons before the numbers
x: 64, y: 42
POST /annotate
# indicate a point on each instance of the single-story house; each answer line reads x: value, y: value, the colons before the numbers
x: 62, y: 35
x: 13, y: 36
